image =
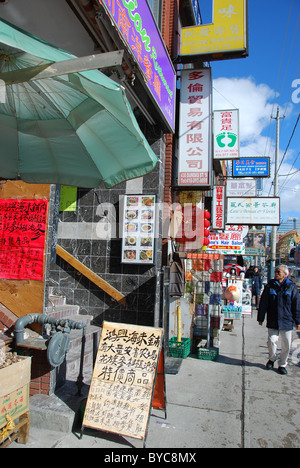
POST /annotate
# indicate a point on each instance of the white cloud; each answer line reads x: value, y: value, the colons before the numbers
x: 257, y: 131
x: 252, y: 100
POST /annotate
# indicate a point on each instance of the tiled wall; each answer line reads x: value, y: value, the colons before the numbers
x: 139, y: 283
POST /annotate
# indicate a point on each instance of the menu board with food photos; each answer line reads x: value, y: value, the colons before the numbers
x: 138, y: 241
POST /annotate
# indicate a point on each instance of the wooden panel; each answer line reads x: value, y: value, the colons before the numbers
x: 101, y: 283
x: 23, y: 296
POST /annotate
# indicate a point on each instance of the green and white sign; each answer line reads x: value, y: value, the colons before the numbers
x: 226, y: 134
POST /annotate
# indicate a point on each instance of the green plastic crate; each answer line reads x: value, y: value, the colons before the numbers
x: 208, y: 354
x: 179, y: 348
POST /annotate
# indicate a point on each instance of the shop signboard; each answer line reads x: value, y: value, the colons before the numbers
x: 195, y: 115
x: 251, y: 167
x: 122, y: 385
x: 226, y: 134
x: 139, y: 228
x: 226, y: 243
x: 241, y: 187
x: 135, y: 23
x: 218, y: 207
x: 225, y: 38
x: 262, y: 211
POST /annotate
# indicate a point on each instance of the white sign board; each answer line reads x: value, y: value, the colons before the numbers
x: 194, y: 160
x: 226, y: 243
x: 226, y: 134
x: 241, y: 187
x: 263, y: 211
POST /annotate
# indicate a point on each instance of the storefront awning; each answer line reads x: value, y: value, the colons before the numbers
x: 61, y: 120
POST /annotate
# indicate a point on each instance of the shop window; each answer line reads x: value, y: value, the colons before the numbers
x: 156, y: 7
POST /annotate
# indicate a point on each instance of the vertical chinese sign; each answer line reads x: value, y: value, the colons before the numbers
x: 218, y: 211
x: 22, y: 238
x: 194, y: 159
x: 226, y: 134
x: 135, y: 22
x: 121, y: 390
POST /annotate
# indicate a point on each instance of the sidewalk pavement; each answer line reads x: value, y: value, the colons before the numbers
x: 233, y: 402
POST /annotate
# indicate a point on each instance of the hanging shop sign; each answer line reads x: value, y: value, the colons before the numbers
x: 241, y: 187
x: 251, y: 167
x: 225, y: 38
x: 226, y: 134
x: 218, y: 207
x: 135, y: 23
x: 122, y: 384
x: 22, y: 238
x: 263, y: 211
x: 195, y: 115
x: 226, y: 243
x: 138, y: 236
x: 255, y: 243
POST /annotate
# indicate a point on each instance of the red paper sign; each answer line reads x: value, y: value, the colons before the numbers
x: 22, y: 238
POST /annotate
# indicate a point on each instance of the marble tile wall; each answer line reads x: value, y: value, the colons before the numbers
x: 139, y: 283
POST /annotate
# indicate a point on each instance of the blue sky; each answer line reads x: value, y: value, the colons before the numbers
x: 258, y: 84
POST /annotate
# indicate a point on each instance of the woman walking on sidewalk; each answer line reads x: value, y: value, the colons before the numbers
x: 280, y: 300
x: 256, y: 285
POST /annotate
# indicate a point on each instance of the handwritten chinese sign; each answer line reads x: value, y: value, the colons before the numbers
x: 135, y: 23
x: 123, y: 379
x: 224, y: 38
x: 263, y: 211
x: 194, y: 165
x: 22, y: 238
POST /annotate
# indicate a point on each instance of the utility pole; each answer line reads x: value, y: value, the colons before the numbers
x: 274, y: 228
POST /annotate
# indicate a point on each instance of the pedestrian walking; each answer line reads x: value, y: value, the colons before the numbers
x: 256, y: 285
x: 280, y: 301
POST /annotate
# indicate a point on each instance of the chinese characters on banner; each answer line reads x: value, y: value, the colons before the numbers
x: 22, y: 238
x: 218, y: 215
x: 226, y: 134
x: 227, y: 243
x: 121, y: 390
x: 194, y: 159
x: 241, y: 188
x: 14, y: 404
x: 135, y: 23
x: 227, y: 35
x: 253, y: 211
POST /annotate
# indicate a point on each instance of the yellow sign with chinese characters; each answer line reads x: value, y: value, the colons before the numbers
x: 225, y: 38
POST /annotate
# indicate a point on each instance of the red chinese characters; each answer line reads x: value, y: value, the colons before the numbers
x: 195, y: 129
x: 22, y: 238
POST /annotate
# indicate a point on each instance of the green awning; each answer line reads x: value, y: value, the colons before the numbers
x: 73, y: 129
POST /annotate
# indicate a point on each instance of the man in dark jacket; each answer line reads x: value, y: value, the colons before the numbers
x: 280, y: 300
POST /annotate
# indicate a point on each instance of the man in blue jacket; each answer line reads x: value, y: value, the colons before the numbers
x: 280, y: 300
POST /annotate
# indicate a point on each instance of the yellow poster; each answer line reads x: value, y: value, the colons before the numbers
x: 226, y: 35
